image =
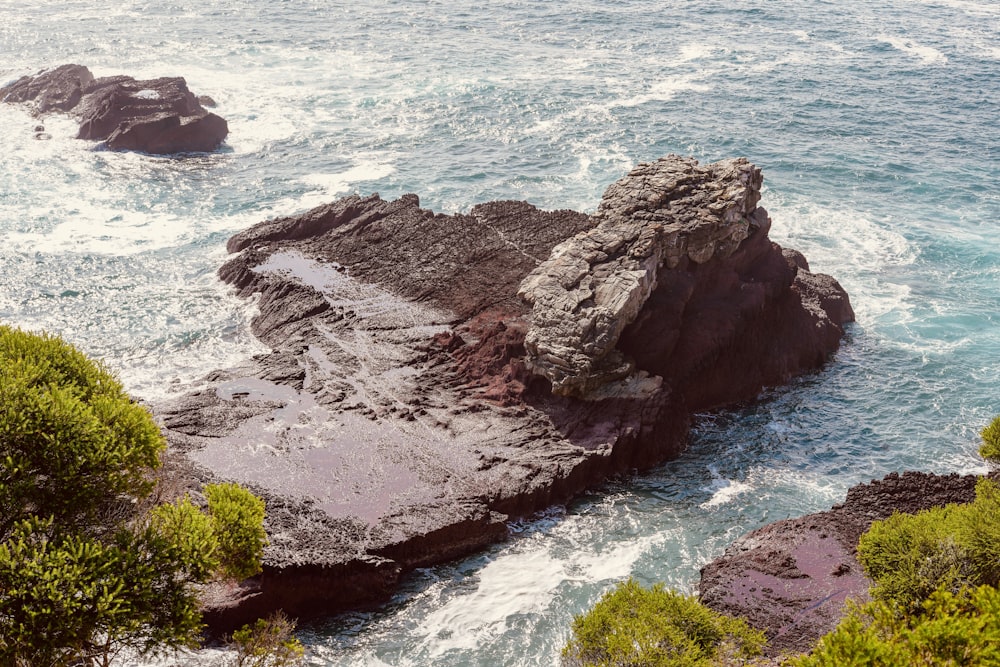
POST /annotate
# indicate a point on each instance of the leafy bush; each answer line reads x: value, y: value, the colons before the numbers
x: 935, y: 600
x: 268, y: 643
x: 238, y: 519
x: 990, y: 449
x: 72, y: 443
x: 911, y: 556
x: 191, y: 536
x: 68, y: 597
x: 632, y: 625
x: 978, y: 531
x: 949, y: 629
x: 85, y: 571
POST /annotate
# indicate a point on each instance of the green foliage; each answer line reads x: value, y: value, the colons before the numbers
x: 949, y: 629
x: 935, y: 600
x: 990, y: 449
x: 191, y: 536
x: 84, y: 571
x: 37, y: 604
x: 67, y: 597
x: 911, y: 556
x: 978, y: 531
x: 269, y: 642
x: 636, y: 626
x: 71, y: 441
x: 238, y: 517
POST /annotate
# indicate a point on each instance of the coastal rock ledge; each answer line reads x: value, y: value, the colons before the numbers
x: 433, y: 376
x: 792, y: 578
x: 157, y: 116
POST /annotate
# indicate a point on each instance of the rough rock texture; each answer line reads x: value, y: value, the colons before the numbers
x: 396, y: 422
x: 690, y: 241
x: 156, y: 116
x: 792, y: 578
x: 594, y: 285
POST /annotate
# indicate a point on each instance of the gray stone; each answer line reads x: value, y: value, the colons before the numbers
x: 595, y: 284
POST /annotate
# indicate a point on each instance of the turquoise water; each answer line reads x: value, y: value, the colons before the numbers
x: 876, y: 125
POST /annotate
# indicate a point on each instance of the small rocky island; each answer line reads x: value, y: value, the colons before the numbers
x: 433, y: 376
x: 157, y: 116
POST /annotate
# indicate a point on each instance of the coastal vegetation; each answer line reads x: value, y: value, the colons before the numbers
x: 90, y: 563
x: 961, y: 628
x: 990, y: 449
x: 935, y: 574
x: 934, y: 601
x: 657, y: 627
x: 910, y: 556
x: 269, y: 642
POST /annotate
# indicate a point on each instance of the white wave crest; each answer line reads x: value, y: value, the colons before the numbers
x: 665, y: 90
x: 927, y: 54
x: 334, y: 184
x: 723, y: 490
x: 861, y: 253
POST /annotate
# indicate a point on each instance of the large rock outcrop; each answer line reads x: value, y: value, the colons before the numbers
x: 595, y: 284
x: 400, y: 418
x: 792, y: 578
x: 679, y: 280
x: 156, y: 116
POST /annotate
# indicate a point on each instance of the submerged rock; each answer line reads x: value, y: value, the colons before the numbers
x: 157, y: 116
x: 405, y: 412
x: 792, y: 578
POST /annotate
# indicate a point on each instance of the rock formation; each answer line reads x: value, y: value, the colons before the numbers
x: 792, y: 578
x: 406, y: 410
x: 157, y: 116
x: 690, y: 241
x: 595, y: 284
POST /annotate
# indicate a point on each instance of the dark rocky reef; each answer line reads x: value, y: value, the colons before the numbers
x: 792, y: 578
x: 406, y: 410
x: 158, y: 116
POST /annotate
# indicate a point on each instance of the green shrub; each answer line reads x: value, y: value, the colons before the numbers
x: 72, y: 443
x: 191, y: 536
x: 949, y: 629
x: 909, y: 556
x: 269, y: 642
x: 85, y: 570
x: 935, y: 600
x: 990, y: 449
x: 978, y: 531
x: 238, y: 519
x: 637, y: 626
x: 68, y: 597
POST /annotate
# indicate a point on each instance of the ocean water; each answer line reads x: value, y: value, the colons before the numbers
x: 876, y: 125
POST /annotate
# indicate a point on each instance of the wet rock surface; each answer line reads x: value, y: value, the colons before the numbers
x: 400, y: 420
x: 158, y: 116
x: 792, y: 578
